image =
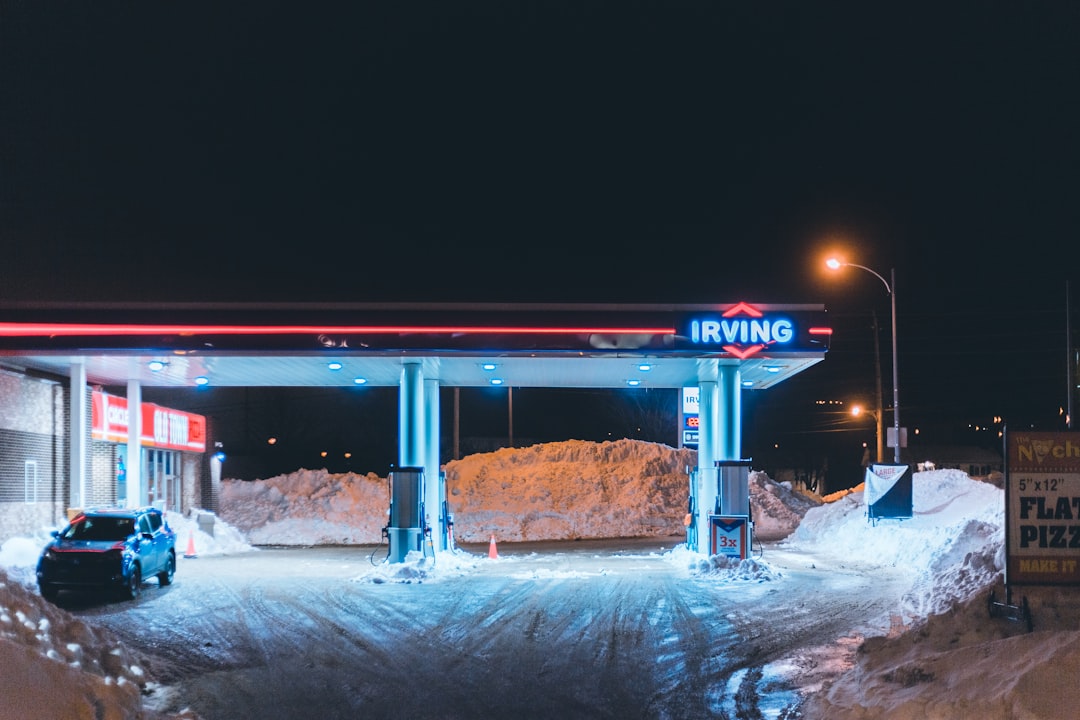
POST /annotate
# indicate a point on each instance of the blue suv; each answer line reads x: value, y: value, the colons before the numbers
x: 111, y: 549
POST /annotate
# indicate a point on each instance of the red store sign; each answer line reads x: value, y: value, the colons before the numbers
x: 161, y: 427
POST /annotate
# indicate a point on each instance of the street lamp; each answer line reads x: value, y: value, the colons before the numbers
x: 858, y: 410
x: 890, y: 288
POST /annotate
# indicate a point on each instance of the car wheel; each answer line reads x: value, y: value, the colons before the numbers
x: 134, y: 584
x: 49, y: 592
x: 165, y: 576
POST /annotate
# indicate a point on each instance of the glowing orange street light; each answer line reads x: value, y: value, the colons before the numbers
x: 858, y: 410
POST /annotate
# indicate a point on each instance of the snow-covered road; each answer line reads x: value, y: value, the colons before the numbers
x: 591, y: 629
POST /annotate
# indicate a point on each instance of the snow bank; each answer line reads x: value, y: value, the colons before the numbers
x: 952, y: 546
x: 57, y: 662
x: 572, y: 490
x: 553, y: 491
x: 348, y: 509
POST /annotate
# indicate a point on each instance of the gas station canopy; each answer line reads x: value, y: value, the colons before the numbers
x: 717, y: 349
x: 459, y: 344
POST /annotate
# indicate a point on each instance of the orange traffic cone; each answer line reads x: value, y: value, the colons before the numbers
x: 492, y: 552
x: 190, y: 552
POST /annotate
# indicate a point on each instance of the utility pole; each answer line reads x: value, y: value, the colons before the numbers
x: 878, y: 418
x: 1070, y: 364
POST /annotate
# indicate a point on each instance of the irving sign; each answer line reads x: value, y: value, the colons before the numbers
x: 744, y: 330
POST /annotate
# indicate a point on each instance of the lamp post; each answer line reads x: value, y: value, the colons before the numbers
x: 890, y: 288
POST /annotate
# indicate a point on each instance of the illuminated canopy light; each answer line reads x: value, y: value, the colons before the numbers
x: 359, y: 380
x: 488, y: 366
x: 202, y: 380
x: 157, y: 365
x: 334, y: 365
x: 633, y: 383
x: 496, y: 381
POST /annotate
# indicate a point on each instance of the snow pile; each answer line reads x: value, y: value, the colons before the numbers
x: 416, y: 567
x: 775, y: 508
x: 57, y: 664
x: 952, y: 546
x: 352, y: 509
x: 18, y: 556
x: 734, y: 569
x: 563, y: 490
x: 572, y: 490
x: 222, y: 538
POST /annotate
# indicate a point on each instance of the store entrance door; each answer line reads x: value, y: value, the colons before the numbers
x: 163, y: 478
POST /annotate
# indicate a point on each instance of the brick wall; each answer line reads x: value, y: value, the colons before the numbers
x: 34, y: 453
x: 101, y: 488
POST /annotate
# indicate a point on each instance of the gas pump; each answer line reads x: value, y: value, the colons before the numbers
x: 691, y: 512
x: 691, y: 527
x: 407, y: 525
x: 443, y: 526
x: 447, y: 518
x: 731, y: 525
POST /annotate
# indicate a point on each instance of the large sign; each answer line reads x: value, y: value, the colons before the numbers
x: 1042, y: 508
x: 745, y: 330
x: 888, y: 492
x: 161, y: 427
x: 691, y: 416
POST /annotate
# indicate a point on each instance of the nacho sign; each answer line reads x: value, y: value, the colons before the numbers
x: 1042, y: 508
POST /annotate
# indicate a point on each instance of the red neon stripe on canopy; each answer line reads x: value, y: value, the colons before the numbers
x: 77, y: 329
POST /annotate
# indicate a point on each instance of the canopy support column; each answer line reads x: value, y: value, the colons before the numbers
x: 136, y: 492
x: 433, y: 481
x: 79, y: 431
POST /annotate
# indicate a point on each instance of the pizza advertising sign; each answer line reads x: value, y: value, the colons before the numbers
x: 1042, y: 508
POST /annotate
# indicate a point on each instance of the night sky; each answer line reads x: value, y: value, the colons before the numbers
x: 578, y: 152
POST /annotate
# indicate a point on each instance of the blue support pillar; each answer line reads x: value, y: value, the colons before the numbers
x: 411, y: 416
x: 708, y: 447
x: 719, y: 439
x: 732, y: 470
x: 136, y: 488
x: 432, y: 476
x: 405, y: 531
x: 730, y: 411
